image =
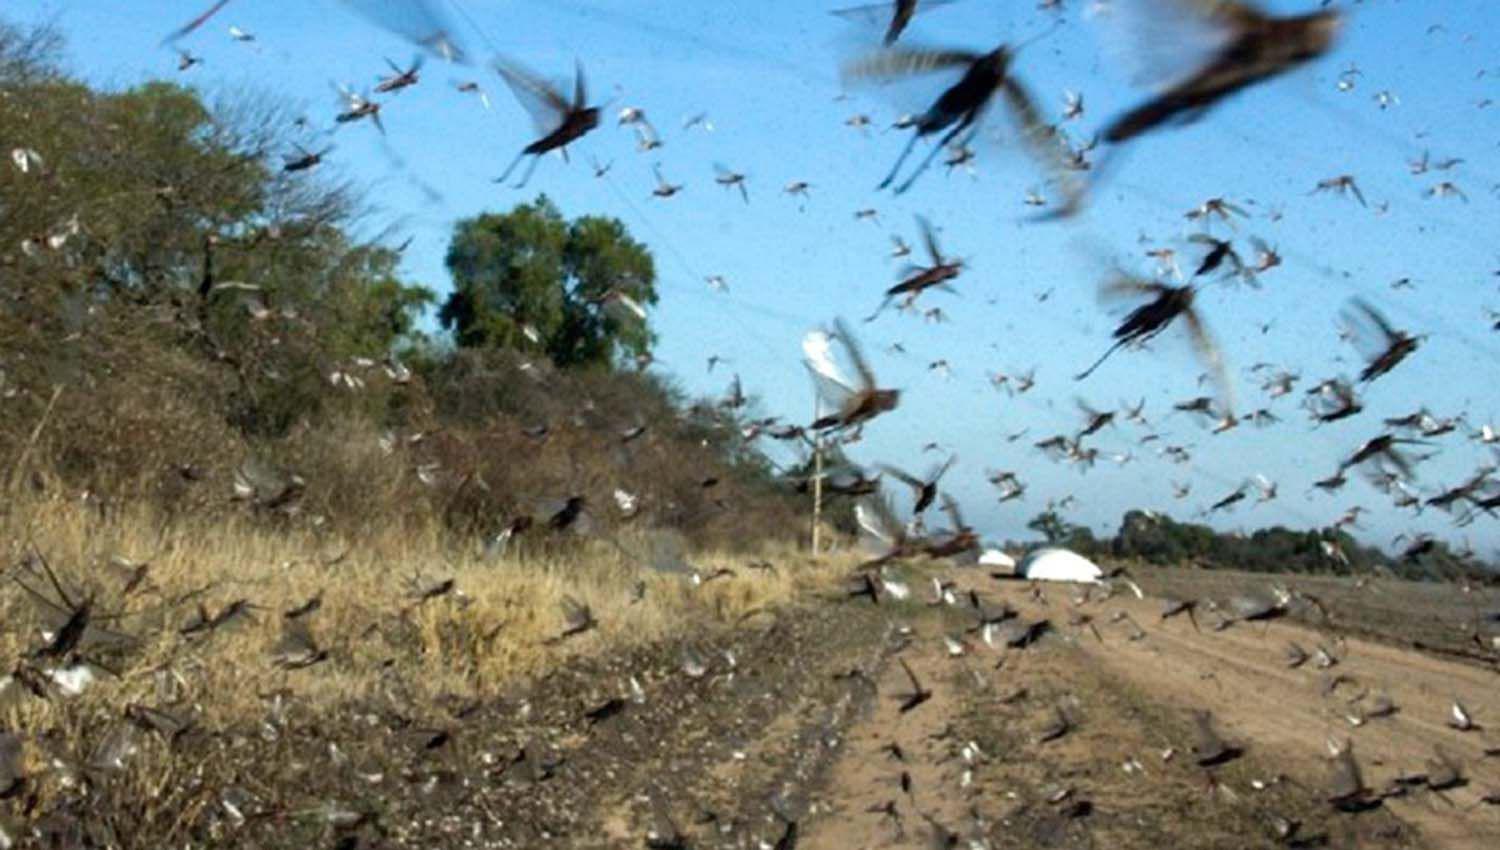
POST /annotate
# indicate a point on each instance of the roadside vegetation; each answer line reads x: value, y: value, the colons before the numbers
x: 244, y: 487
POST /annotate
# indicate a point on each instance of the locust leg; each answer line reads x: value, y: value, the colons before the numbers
x: 932, y: 154
x: 901, y: 160
x: 530, y: 170
x: 512, y: 167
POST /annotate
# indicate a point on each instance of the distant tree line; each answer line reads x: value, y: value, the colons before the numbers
x: 1159, y: 539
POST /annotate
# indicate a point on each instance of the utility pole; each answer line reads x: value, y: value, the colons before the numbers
x: 817, y: 488
x: 817, y: 492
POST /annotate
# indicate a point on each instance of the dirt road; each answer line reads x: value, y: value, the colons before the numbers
x: 1083, y: 738
x: 787, y: 730
x: 1243, y: 675
x: 1124, y: 775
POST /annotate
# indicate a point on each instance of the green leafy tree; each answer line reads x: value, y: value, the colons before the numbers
x: 1050, y: 526
x: 153, y: 223
x: 531, y: 280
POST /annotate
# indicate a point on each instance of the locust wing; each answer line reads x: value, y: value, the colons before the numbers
x: 905, y: 478
x: 862, y: 370
x: 1372, y: 334
x: 541, y: 100
x: 1161, y: 43
x: 955, y: 516
x: 929, y: 240
x: 833, y: 388
x: 420, y: 22
x: 1042, y: 141
x: 890, y: 17
x: 880, y: 532
x: 904, y: 62
x: 1209, y: 355
x: 195, y: 23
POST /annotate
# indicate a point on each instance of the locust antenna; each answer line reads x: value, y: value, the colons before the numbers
x: 1038, y: 37
x: 1100, y: 362
x: 613, y: 99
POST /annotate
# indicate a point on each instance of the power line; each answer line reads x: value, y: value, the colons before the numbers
x: 474, y: 25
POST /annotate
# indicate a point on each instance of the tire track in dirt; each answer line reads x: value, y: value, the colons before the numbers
x: 785, y: 733
x: 877, y: 797
x: 1104, y: 783
x: 1242, y: 676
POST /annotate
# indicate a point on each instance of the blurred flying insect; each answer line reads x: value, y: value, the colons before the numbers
x: 1166, y: 262
x: 852, y: 402
x: 633, y: 115
x: 1342, y: 185
x: 881, y: 536
x: 471, y: 87
x: 1229, y: 500
x: 1216, y: 208
x: 305, y: 159
x: 1250, y: 47
x: 400, y: 78
x: 1266, y: 256
x: 1383, y: 345
x: 1146, y: 321
x: 731, y: 179
x: 357, y: 107
x: 1266, y: 486
x: 699, y: 120
x: 960, y: 107
x: 1093, y: 420
x: 195, y: 22
x: 1333, y: 400
x: 559, y: 121
x: 418, y: 21
x: 960, y: 539
x: 1383, y: 448
x: 1446, y: 189
x: 647, y: 139
x: 925, y: 489
x: 899, y: 15
x: 1072, y: 105
x: 1348, y: 76
x: 960, y: 157
x: 1219, y: 250
x: 918, y: 279
x: 663, y: 188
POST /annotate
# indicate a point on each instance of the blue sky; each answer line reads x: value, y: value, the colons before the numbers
x: 767, y: 76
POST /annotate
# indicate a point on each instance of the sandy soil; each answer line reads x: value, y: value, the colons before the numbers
x: 1241, y: 674
x: 1129, y: 688
x: 786, y: 737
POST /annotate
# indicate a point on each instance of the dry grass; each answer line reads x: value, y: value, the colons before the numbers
x: 495, y: 629
x: 498, y: 623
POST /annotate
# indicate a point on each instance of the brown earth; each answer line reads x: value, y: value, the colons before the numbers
x: 1130, y: 701
x: 786, y: 740
x: 1241, y: 674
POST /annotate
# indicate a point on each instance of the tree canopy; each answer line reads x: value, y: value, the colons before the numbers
x: 533, y: 281
x: 1158, y: 539
x: 176, y: 303
x: 156, y: 217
